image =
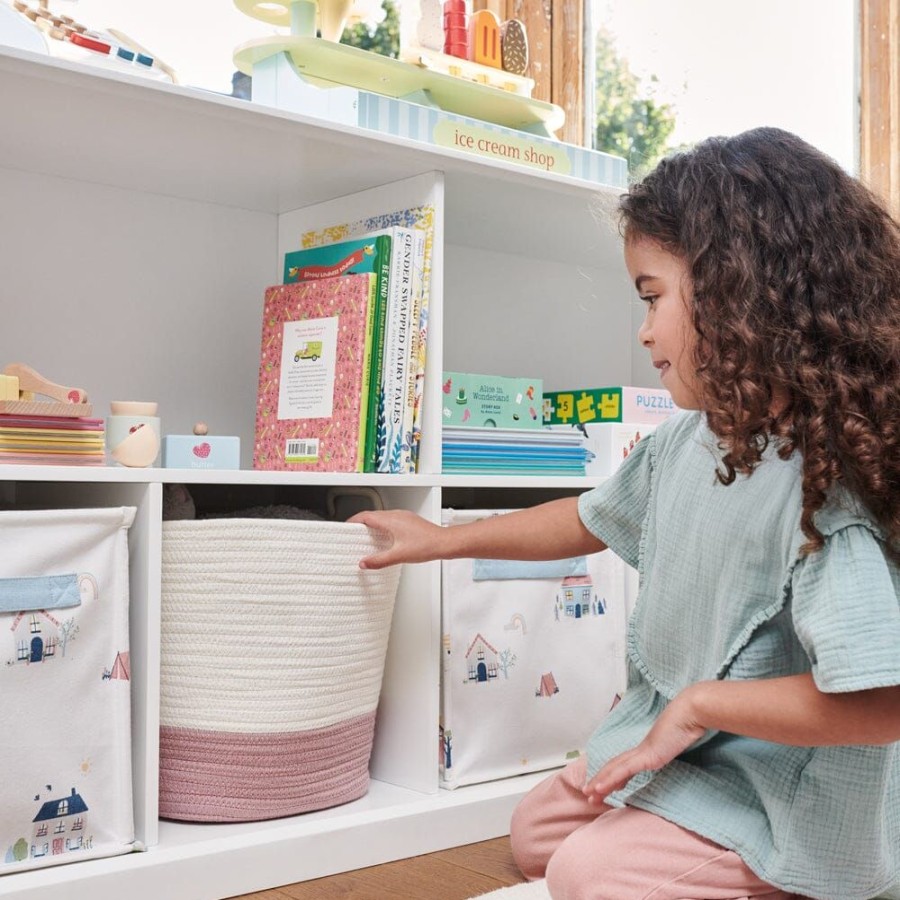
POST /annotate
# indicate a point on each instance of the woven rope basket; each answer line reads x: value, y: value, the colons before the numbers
x: 273, y: 648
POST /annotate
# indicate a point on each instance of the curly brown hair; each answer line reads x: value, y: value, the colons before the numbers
x: 795, y: 270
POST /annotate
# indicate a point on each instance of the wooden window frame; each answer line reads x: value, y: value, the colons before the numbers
x: 557, y: 34
x: 879, y: 99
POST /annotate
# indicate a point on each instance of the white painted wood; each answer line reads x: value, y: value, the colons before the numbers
x: 109, y: 129
x: 139, y: 297
x: 121, y: 475
x: 140, y: 225
x: 405, y: 748
x: 194, y: 862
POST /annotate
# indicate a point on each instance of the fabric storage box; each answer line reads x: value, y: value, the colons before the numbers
x: 533, y: 658
x: 273, y: 649
x: 65, y: 745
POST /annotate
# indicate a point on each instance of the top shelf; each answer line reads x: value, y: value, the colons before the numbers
x: 68, y: 120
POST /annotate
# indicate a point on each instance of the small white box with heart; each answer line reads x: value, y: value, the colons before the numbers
x: 191, y: 451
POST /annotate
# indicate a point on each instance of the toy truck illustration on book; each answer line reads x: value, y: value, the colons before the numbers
x: 310, y: 350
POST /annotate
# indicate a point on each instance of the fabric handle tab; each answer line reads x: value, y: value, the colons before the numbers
x: 512, y: 569
x: 39, y: 592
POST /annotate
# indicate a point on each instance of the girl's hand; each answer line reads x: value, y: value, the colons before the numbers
x: 672, y: 733
x: 413, y: 538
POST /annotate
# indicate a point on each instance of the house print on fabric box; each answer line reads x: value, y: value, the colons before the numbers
x: 482, y: 660
x: 60, y: 826
x: 38, y: 634
x: 577, y: 599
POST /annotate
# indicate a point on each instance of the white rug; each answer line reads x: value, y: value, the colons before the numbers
x: 532, y: 890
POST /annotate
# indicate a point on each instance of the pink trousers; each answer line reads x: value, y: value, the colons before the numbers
x: 589, y: 852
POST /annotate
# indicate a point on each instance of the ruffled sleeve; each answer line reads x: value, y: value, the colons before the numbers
x: 846, y: 609
x: 615, y: 511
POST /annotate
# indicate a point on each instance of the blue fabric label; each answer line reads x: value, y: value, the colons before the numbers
x: 39, y: 592
x: 511, y: 569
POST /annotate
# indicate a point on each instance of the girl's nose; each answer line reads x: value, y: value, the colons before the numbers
x: 643, y: 334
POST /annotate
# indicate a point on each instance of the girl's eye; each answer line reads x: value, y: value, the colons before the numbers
x: 649, y: 299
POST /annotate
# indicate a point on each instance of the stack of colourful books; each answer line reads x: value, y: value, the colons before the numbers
x: 513, y: 451
x: 343, y: 355
x: 51, y: 440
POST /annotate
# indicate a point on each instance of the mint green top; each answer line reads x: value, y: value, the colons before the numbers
x: 725, y: 594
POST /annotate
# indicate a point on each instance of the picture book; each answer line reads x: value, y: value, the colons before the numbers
x: 421, y: 343
x: 407, y: 460
x: 370, y: 253
x: 398, y: 334
x: 421, y: 218
x: 314, y: 374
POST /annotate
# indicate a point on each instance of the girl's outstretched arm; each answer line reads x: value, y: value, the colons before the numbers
x: 550, y: 531
x: 789, y: 710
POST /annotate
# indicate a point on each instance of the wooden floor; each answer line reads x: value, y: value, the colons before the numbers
x: 455, y: 874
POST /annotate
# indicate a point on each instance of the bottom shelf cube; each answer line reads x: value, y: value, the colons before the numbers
x: 273, y: 649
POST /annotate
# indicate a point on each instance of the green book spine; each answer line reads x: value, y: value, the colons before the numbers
x: 375, y: 406
x: 366, y: 389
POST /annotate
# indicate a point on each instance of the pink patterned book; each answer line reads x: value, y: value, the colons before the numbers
x: 314, y: 375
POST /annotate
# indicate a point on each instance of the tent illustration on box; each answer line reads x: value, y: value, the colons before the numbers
x: 481, y: 658
x: 121, y: 668
x: 548, y: 686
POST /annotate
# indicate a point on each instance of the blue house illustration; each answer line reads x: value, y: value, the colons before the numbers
x: 59, y: 826
x: 575, y: 594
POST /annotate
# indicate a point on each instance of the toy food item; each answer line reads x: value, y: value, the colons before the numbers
x: 139, y: 449
x: 514, y: 47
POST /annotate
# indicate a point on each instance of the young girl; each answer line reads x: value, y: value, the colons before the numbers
x: 752, y: 754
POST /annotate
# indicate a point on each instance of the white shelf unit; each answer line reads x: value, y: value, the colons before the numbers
x: 139, y: 226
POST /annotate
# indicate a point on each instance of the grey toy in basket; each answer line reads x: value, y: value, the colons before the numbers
x: 273, y: 649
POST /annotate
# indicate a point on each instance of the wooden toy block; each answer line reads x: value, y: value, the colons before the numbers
x: 9, y: 387
x: 456, y: 41
x: 64, y: 401
x: 514, y: 47
x: 484, y: 38
x: 29, y: 380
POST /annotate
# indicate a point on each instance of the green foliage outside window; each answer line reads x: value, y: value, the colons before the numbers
x: 385, y: 39
x: 627, y: 124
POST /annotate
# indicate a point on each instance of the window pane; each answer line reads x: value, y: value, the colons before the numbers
x: 671, y: 72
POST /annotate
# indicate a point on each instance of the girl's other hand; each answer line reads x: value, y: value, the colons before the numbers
x: 413, y: 539
x: 674, y: 731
